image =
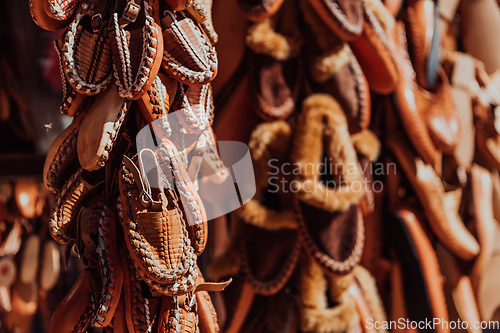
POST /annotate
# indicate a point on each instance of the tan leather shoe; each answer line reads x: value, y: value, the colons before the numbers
x: 440, y: 207
x: 429, y: 118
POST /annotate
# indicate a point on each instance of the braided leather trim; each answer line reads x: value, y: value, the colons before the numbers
x: 65, y: 155
x: 206, y: 62
x: 97, y: 71
x: 67, y: 206
x: 196, y: 113
x: 324, y: 260
x: 271, y: 287
x: 109, y: 267
x: 62, y: 9
x: 128, y: 85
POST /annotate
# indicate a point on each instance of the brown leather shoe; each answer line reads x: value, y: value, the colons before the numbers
x: 375, y: 54
x: 423, y: 282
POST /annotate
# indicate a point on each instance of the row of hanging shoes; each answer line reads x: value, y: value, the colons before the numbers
x: 125, y: 200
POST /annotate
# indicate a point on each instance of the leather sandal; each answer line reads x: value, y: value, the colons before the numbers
x: 268, y: 265
x: 137, y: 45
x: 152, y: 219
x: 194, y: 107
x: 188, y: 54
x: 87, y: 53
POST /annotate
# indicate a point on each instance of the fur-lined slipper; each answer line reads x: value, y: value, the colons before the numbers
x: 269, y: 257
x: 422, y: 24
x: 42, y: 19
x: 422, y: 279
x: 366, y: 297
x: 99, y: 129
x: 275, y: 85
x: 373, y: 51
x: 194, y: 107
x: 62, y: 161
x: 335, y: 70
x: 334, y: 240
x: 137, y: 47
x: 72, y: 101
x: 429, y: 118
x: 75, y: 311
x: 275, y: 69
x: 440, y: 206
x: 343, y: 17
x: 61, y: 10
x: 188, y: 54
x: 152, y: 220
x: 87, y: 53
x: 67, y: 206
x: 270, y: 142
x: 317, y: 291
x: 322, y: 131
